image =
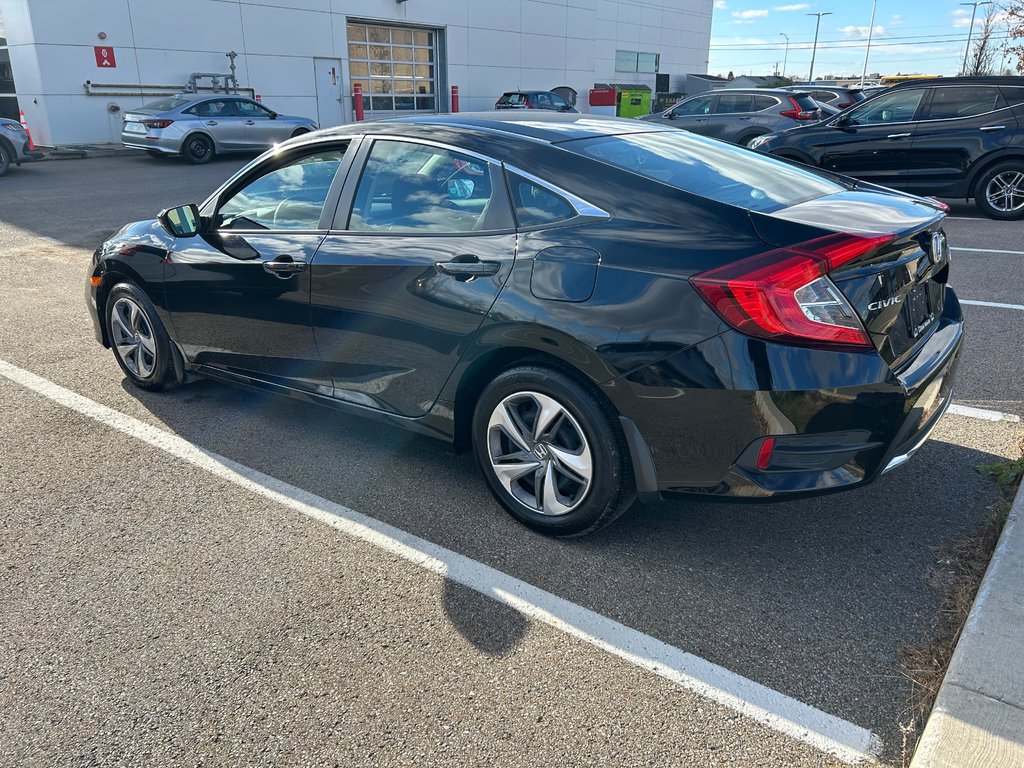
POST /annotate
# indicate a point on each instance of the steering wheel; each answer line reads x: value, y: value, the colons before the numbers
x: 277, y: 209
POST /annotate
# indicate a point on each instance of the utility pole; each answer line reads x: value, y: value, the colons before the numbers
x: 785, y: 58
x: 974, y: 12
x: 814, y: 50
x: 867, y: 52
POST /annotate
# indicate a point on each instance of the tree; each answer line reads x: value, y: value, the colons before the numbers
x: 730, y: 76
x: 1013, y: 15
x: 983, y: 58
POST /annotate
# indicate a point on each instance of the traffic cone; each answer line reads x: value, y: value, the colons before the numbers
x: 24, y: 124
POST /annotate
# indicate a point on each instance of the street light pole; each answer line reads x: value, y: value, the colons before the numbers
x: 974, y: 11
x: 786, y: 57
x: 867, y: 52
x: 814, y: 50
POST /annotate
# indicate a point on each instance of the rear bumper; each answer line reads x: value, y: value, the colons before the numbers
x: 837, y: 420
x: 169, y: 145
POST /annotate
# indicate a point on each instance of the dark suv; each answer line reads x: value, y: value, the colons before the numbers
x: 740, y: 115
x: 548, y: 100
x: 954, y: 137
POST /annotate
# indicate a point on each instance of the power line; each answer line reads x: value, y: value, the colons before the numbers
x: 848, y: 45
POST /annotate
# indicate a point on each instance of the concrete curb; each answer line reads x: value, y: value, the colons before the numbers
x: 978, y: 717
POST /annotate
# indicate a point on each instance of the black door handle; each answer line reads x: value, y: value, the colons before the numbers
x: 284, y: 267
x: 468, y: 269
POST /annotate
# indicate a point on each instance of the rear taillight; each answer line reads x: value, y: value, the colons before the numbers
x: 157, y: 123
x: 798, y: 113
x: 786, y: 295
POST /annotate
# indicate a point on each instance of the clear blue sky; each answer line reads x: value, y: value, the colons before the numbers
x: 910, y: 36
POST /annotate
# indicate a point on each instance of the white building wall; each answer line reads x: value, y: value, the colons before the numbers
x: 490, y: 46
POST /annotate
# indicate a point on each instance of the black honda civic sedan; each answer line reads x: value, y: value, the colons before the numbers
x: 599, y: 309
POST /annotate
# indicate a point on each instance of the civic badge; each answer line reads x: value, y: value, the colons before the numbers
x: 940, y: 248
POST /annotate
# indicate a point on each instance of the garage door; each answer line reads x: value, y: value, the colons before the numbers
x: 396, y: 67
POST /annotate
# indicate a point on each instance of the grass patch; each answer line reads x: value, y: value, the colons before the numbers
x: 957, y: 573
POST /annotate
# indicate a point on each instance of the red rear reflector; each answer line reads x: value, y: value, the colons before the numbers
x: 758, y: 295
x: 157, y: 123
x: 764, y: 454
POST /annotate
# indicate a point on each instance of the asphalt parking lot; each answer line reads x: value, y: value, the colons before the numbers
x: 157, y: 609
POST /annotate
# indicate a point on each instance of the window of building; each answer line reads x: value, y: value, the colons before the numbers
x: 636, y: 61
x: 395, y: 66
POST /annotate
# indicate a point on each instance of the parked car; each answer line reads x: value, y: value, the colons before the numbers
x: 597, y: 308
x: 827, y: 110
x: 548, y: 100
x: 14, y: 145
x: 739, y: 115
x: 199, y: 127
x: 954, y: 137
x: 838, y: 97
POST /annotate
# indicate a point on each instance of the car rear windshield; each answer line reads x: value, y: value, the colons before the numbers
x: 165, y: 105
x: 513, y: 98
x: 804, y: 101
x: 708, y: 168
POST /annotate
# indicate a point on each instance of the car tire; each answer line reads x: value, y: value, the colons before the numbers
x: 198, y: 149
x: 139, y: 340
x: 999, y: 191
x: 5, y: 160
x: 580, y: 452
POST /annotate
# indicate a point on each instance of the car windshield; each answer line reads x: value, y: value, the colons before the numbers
x: 165, y: 105
x: 708, y: 168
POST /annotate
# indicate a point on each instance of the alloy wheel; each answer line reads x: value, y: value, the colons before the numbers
x: 133, y: 337
x: 539, y: 453
x: 1005, y: 191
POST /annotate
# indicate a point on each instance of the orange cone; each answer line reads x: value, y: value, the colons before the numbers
x: 24, y: 124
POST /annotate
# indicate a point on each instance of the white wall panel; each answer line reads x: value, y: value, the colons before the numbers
x: 491, y: 46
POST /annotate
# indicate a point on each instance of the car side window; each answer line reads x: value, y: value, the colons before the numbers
x: 543, y: 100
x: 897, y: 107
x: 731, y: 103
x: 698, y: 106
x: 535, y: 205
x: 420, y: 188
x: 290, y: 197
x: 251, y: 109
x: 215, y: 108
x: 558, y: 102
x: 1013, y: 95
x: 962, y: 101
x: 761, y: 103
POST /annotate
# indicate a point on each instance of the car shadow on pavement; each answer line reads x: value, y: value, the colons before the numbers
x: 813, y: 597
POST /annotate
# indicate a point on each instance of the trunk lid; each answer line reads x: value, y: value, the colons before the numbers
x: 897, y: 289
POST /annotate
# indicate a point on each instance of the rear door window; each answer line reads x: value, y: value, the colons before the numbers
x: 731, y: 103
x: 966, y: 101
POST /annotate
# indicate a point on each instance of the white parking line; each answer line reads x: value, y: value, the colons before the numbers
x: 987, y: 250
x: 996, y: 304
x: 849, y: 742
x: 982, y: 413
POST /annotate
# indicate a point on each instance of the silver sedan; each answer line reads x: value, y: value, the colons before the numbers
x: 198, y: 127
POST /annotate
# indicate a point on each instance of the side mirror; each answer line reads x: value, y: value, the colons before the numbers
x: 842, y: 120
x: 273, y: 115
x: 182, y: 221
x: 671, y: 114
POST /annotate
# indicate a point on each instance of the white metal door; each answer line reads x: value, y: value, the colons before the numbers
x: 329, y: 107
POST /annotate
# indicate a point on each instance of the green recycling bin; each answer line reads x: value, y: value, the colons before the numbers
x: 634, y: 102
